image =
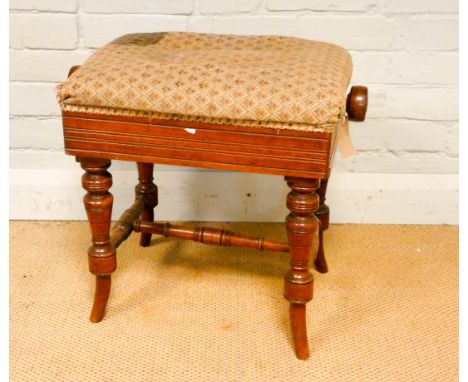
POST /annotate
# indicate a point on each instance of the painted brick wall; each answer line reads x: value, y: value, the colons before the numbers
x: 405, y: 51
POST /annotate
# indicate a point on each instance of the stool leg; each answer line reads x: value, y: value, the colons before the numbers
x: 323, y: 213
x: 301, y: 227
x: 147, y: 190
x: 101, y: 255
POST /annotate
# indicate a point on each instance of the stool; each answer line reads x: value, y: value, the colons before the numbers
x: 262, y: 104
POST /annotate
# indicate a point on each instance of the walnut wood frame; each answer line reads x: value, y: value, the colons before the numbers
x: 303, y: 158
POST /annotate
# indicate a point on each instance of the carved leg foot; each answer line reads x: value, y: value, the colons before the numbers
x: 101, y: 255
x: 297, y: 316
x: 323, y: 213
x: 147, y: 190
x: 301, y: 227
x: 103, y: 285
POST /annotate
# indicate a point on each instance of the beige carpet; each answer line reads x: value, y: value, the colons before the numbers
x: 181, y: 311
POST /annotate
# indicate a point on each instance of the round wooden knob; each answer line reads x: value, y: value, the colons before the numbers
x: 356, y: 104
x: 72, y: 69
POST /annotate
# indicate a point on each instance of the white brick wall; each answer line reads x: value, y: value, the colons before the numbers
x: 321, y: 5
x: 405, y: 51
x: 210, y: 7
x: 164, y: 7
x: 43, y: 30
x: 44, y: 5
x: 98, y: 30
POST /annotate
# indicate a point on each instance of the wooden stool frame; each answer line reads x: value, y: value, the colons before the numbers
x: 303, y: 158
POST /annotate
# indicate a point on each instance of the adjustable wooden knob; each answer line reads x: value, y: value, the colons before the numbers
x: 356, y: 104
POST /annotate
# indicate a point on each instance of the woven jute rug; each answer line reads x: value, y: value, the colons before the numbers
x: 183, y: 311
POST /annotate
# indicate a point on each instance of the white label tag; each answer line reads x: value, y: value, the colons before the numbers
x: 191, y: 131
x: 345, y: 144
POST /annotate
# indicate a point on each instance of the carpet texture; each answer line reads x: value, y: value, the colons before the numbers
x: 183, y: 311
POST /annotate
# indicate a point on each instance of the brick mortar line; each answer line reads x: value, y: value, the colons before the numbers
x: 196, y: 8
x: 291, y: 14
x: 39, y: 12
x: 79, y: 29
x: 49, y: 49
x: 262, y: 7
x: 79, y: 49
x: 253, y: 13
x: 387, y: 15
x: 104, y: 14
x: 34, y: 149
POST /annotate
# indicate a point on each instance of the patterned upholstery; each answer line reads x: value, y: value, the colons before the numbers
x: 271, y: 81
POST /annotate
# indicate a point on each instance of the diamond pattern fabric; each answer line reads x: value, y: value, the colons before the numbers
x: 271, y: 81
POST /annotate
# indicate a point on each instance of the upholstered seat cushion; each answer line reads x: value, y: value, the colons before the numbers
x: 271, y: 81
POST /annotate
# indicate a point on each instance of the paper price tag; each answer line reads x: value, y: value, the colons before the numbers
x: 345, y: 144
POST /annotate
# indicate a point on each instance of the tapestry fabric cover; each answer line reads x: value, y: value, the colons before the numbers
x: 272, y: 81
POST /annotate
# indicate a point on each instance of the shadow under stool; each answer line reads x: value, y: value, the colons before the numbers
x: 261, y: 104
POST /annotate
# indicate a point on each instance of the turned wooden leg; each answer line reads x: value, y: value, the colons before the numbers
x: 147, y: 190
x: 101, y: 255
x: 301, y: 226
x: 323, y: 213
